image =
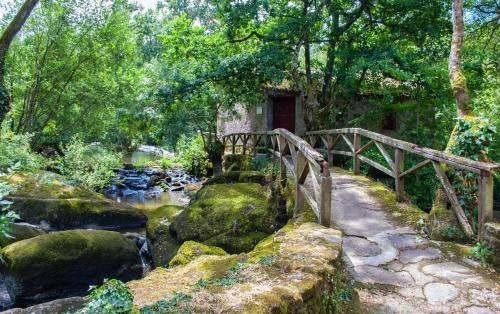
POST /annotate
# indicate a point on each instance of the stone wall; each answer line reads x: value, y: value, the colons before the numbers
x: 492, y: 239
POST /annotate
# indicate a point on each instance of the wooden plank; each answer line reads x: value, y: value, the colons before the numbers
x: 302, y: 168
x: 355, y: 157
x: 415, y: 168
x: 364, y: 148
x: 348, y: 142
x: 485, y: 185
x: 399, y: 180
x: 341, y: 152
x: 310, y: 199
x: 325, y: 201
x: 384, y: 153
x: 452, y: 197
x: 376, y: 165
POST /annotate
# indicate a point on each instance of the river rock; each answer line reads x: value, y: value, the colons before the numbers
x: 61, y: 306
x: 66, y: 263
x: 45, y: 198
x: 296, y: 270
x: 234, y: 217
x: 163, y: 246
x: 19, y: 231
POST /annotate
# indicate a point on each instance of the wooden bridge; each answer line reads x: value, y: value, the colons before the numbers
x: 312, y: 156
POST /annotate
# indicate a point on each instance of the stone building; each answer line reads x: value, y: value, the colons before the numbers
x: 281, y: 108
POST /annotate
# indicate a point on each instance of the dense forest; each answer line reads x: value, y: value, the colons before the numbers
x: 84, y: 84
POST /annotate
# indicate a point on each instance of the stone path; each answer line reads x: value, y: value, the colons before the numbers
x: 400, y: 271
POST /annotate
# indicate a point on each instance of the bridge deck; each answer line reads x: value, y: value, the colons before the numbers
x: 405, y: 272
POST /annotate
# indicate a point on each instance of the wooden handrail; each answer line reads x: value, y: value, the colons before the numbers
x: 297, y: 156
x: 304, y: 158
x: 396, y: 167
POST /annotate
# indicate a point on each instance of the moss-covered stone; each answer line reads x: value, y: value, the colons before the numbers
x: 63, y: 264
x: 44, y: 198
x: 237, y: 162
x: 61, y: 306
x: 163, y: 246
x: 191, y: 250
x: 296, y: 270
x: 19, y: 231
x: 234, y: 217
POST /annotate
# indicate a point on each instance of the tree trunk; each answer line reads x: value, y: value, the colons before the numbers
x: 459, y: 87
x: 7, y: 37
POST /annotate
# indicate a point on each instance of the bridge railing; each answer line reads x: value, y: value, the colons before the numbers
x: 296, y: 155
x: 352, y: 138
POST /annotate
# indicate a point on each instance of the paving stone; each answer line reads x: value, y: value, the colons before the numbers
x: 483, y: 297
x: 419, y: 277
x: 377, y: 275
x: 417, y: 255
x: 395, y: 266
x: 478, y: 310
x: 448, y: 270
x: 440, y: 293
x: 403, y: 241
x: 360, y: 247
x: 412, y: 292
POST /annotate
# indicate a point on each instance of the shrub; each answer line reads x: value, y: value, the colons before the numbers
x: 7, y: 217
x: 113, y: 297
x: 88, y: 165
x: 192, y: 155
x: 481, y: 253
x: 16, y: 153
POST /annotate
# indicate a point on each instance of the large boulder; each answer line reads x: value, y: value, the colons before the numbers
x: 45, y: 198
x: 297, y: 270
x: 234, y: 217
x: 64, y: 264
x: 163, y: 246
x: 19, y: 231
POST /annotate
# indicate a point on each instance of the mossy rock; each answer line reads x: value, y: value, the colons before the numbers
x: 297, y: 270
x: 163, y: 246
x: 238, y: 177
x: 191, y: 250
x: 234, y: 217
x: 19, y: 231
x: 64, y: 264
x: 237, y: 162
x: 44, y: 198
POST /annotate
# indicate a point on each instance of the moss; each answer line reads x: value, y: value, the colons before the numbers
x: 232, y: 216
x: 190, y: 250
x: 67, y: 262
x: 237, y: 162
x: 238, y: 177
x: 163, y: 245
x: 17, y: 232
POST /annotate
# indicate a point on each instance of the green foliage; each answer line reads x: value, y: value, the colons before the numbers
x: 341, y: 292
x: 192, y: 155
x: 179, y: 304
x: 87, y: 164
x: 473, y: 139
x: 452, y: 233
x: 113, y: 297
x: 7, y: 217
x: 481, y: 253
x: 16, y: 153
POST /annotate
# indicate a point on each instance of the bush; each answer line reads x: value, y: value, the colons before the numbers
x: 16, y: 153
x: 88, y: 165
x: 113, y: 297
x: 7, y: 217
x: 192, y: 155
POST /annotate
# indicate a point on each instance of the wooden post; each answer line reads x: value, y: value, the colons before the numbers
x: 325, y: 201
x: 398, y: 169
x: 233, y: 141
x: 282, y: 172
x: 300, y: 164
x: 485, y: 185
x: 244, y: 139
x: 329, y: 148
x: 355, y: 159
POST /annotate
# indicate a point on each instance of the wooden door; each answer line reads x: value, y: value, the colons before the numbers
x: 284, y: 113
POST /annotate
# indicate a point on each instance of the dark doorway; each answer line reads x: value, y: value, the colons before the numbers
x: 284, y: 113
